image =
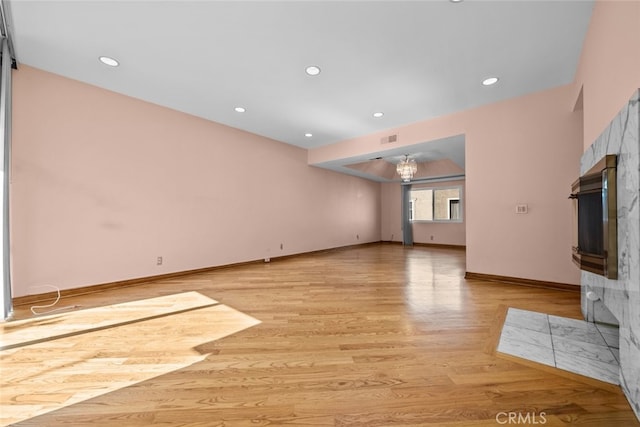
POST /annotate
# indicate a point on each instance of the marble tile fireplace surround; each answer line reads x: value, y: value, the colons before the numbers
x: 618, y: 301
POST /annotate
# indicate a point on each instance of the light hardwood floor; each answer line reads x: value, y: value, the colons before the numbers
x: 376, y: 335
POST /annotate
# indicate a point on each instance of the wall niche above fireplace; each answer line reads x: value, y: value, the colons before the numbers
x: 595, y: 205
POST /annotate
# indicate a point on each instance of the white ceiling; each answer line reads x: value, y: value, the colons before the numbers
x: 413, y: 60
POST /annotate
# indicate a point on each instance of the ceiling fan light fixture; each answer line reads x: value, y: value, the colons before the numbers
x: 308, y: 134
x: 240, y: 109
x: 378, y: 114
x: 406, y: 168
x: 107, y: 60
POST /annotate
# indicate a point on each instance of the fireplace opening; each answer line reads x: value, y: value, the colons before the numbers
x: 595, y: 205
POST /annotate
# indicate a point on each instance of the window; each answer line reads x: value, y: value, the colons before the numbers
x: 454, y: 208
x: 435, y: 204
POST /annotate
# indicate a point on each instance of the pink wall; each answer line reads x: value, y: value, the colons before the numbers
x: 524, y: 150
x: 609, y: 67
x: 103, y: 184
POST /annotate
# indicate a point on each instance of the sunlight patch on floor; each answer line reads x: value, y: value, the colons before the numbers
x: 20, y: 332
x: 42, y: 377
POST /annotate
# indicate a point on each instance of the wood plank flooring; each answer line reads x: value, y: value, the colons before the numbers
x: 376, y: 335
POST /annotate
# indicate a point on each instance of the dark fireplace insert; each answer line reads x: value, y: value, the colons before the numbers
x: 595, y: 205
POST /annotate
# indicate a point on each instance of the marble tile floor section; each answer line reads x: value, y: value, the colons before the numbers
x: 577, y: 346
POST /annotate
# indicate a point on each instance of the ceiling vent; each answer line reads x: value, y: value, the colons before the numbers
x: 389, y: 139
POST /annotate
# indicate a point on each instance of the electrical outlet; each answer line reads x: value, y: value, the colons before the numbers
x: 281, y: 246
x: 431, y: 237
x: 357, y: 237
x: 159, y: 261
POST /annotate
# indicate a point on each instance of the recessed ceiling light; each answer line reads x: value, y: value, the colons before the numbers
x: 455, y: 1
x: 106, y: 60
x: 378, y: 114
x: 312, y: 70
x: 240, y: 109
x: 308, y: 135
x: 490, y: 81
